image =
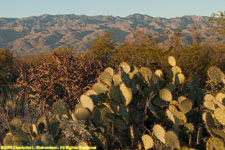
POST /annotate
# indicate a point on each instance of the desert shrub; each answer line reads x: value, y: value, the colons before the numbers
x: 61, y: 75
x: 131, y: 108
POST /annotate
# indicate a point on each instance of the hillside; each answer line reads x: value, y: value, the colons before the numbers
x: 31, y: 35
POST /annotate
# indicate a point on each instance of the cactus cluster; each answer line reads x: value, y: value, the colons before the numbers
x: 124, y: 105
x: 48, y: 130
x: 133, y: 108
x: 214, y: 111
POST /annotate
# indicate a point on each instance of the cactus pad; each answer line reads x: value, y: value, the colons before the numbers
x: 124, y: 67
x: 165, y: 95
x: 147, y: 141
x: 172, y: 61
x: 159, y: 132
x: 8, y: 139
x: 215, y: 74
x: 185, y: 106
x: 172, y: 140
x: 219, y: 114
x: 214, y: 143
x: 82, y: 113
x: 87, y: 102
x: 126, y: 93
x: 99, y: 88
x: 106, y: 77
x: 159, y: 73
x: 16, y: 123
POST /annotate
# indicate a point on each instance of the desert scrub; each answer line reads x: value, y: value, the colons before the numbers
x: 63, y: 75
x: 76, y: 132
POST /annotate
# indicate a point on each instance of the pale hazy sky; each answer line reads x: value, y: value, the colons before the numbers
x: 155, y: 8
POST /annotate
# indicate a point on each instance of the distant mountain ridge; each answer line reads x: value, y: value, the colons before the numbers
x: 31, y: 35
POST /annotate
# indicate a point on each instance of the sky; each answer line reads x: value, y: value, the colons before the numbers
x: 122, y: 8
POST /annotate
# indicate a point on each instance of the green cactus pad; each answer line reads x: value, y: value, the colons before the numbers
x: 114, y: 106
x: 215, y: 74
x: 78, y: 106
x: 210, y: 105
x: 117, y: 79
x: 174, y: 102
x: 125, y: 78
x: 208, y: 120
x: 47, y: 139
x: 87, y: 102
x: 215, y: 143
x: 170, y: 115
x: 179, y: 79
x: 91, y: 92
x: 159, y: 102
x: 60, y: 108
x: 124, y: 67
x: 20, y: 138
x: 218, y: 133
x: 220, y: 97
x: 159, y: 132
x: 147, y: 141
x: 172, y: 61
x: 136, y: 119
x: 109, y: 70
x: 126, y: 93
x: 123, y: 111
x: 165, y: 95
x: 106, y: 77
x: 99, y: 115
x: 26, y: 127
x: 172, y: 140
x: 16, y: 123
x: 146, y: 73
x: 82, y: 113
x: 219, y: 114
x: 209, y: 97
x: 8, y: 139
x: 185, y: 106
x: 100, y: 88
x: 120, y: 124
x: 181, y: 98
x: 170, y: 86
x: 115, y: 94
x: 179, y: 117
x: 134, y: 70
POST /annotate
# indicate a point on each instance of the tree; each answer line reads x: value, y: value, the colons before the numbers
x: 6, y: 66
x: 103, y: 47
x: 217, y: 22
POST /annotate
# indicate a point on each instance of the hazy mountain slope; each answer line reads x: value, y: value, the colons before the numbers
x: 43, y: 33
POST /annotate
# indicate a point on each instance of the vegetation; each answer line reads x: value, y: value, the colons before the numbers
x: 132, y: 95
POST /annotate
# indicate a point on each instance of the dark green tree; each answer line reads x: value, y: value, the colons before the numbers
x: 103, y: 47
x: 6, y: 66
x: 217, y: 22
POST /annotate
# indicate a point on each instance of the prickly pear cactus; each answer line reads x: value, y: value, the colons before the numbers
x: 214, y: 107
x: 128, y: 101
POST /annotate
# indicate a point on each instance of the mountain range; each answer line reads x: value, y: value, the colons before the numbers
x: 31, y: 35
